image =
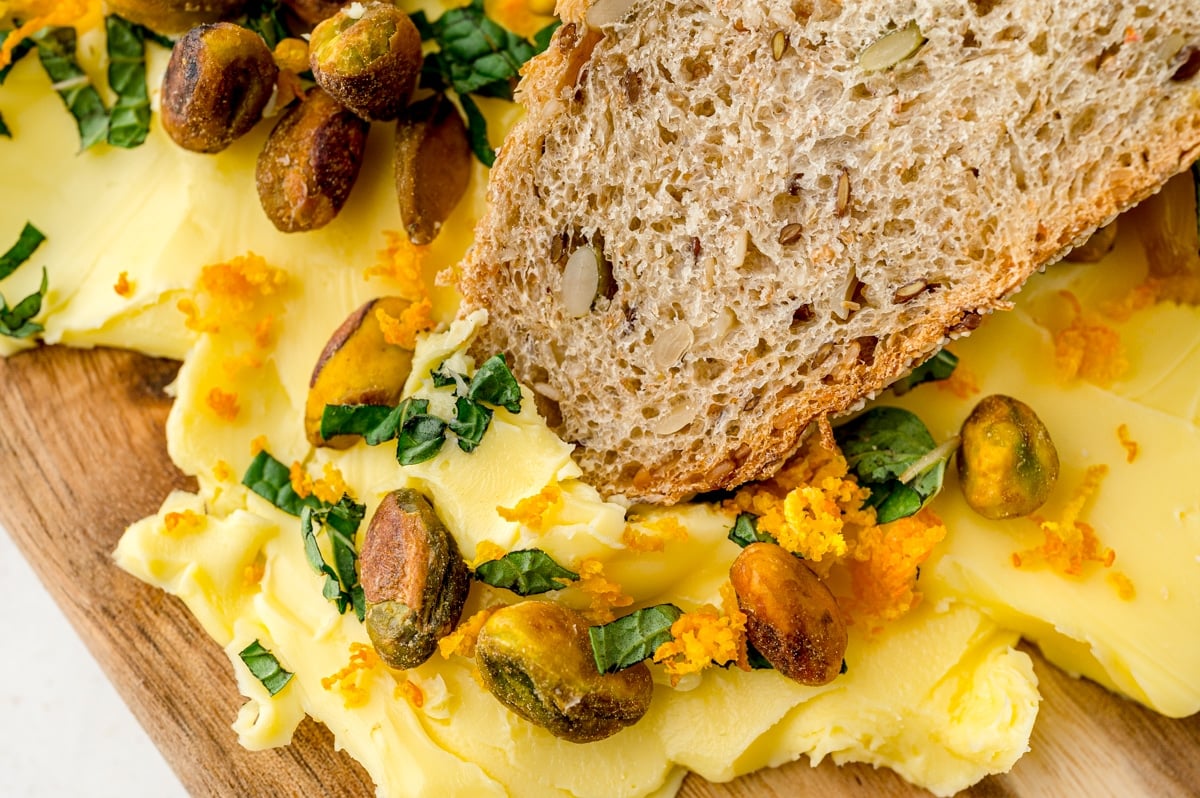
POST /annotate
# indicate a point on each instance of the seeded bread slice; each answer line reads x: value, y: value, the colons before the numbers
x: 790, y: 213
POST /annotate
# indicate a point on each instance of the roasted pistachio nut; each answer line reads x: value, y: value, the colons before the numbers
x: 791, y: 617
x: 217, y: 83
x: 357, y: 367
x: 1099, y: 244
x: 369, y: 61
x: 1007, y: 463
x: 313, y: 12
x: 309, y: 163
x: 413, y: 577
x: 174, y: 16
x: 433, y: 166
x: 536, y: 659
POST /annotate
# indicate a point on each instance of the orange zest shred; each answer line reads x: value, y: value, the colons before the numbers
x: 411, y: 692
x: 535, y: 511
x: 331, y: 486
x: 223, y: 403
x: 123, y: 286
x: 603, y: 594
x: 222, y: 471
x: 259, y: 444
x: 354, y: 680
x: 462, y: 640
x: 883, y: 565
x: 486, y: 551
x: 403, y: 262
x: 264, y: 331
x: 810, y: 504
x: 1087, y: 349
x: 649, y: 536
x: 253, y: 573
x: 229, y: 293
x: 705, y: 637
x: 1068, y: 542
x: 1130, y: 445
x: 1122, y: 584
x: 39, y: 14
x: 302, y: 483
x: 402, y: 331
x: 186, y: 522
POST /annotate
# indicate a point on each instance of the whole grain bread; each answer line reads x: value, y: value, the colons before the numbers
x: 791, y: 208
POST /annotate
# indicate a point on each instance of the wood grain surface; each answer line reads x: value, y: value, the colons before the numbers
x: 83, y: 454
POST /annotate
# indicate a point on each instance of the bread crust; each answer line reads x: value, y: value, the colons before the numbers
x: 777, y: 369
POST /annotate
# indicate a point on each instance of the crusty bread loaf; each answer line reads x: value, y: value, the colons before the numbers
x: 784, y: 231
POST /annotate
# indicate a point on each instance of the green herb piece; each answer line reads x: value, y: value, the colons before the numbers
x: 272, y: 480
x: 445, y: 378
x: 56, y: 49
x: 938, y: 367
x: 494, y: 383
x: 129, y: 122
x: 16, y: 322
x: 630, y: 639
x: 28, y: 241
x: 4, y: 131
x: 421, y: 435
x: 881, y: 447
x: 265, y: 667
x: 471, y: 420
x: 745, y: 531
x: 525, y: 572
x: 475, y: 55
x: 265, y: 17
x: 375, y: 423
x: 341, y: 522
x: 18, y: 52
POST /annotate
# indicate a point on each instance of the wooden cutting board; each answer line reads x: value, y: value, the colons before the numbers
x: 83, y: 454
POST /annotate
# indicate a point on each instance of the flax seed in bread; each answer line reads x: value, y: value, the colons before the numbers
x: 788, y: 218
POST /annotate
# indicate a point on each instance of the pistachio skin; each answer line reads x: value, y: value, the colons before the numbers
x: 432, y: 166
x: 371, y: 63
x: 791, y: 616
x: 310, y: 163
x: 414, y: 579
x: 174, y: 16
x: 1007, y: 463
x: 216, y: 86
x: 357, y: 367
x: 536, y: 659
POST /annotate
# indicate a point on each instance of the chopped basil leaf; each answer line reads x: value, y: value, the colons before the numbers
x: 471, y: 420
x: 129, y: 122
x: 525, y: 572
x: 4, y: 131
x: 421, y: 437
x: 474, y: 55
x: 265, y: 17
x: 477, y: 133
x: 16, y: 322
x: 28, y: 241
x: 630, y: 639
x: 375, y: 423
x: 880, y: 446
x: 265, y: 667
x: 745, y: 531
x: 18, y: 52
x: 272, y: 480
x: 938, y: 367
x: 341, y: 522
x: 444, y: 378
x: 494, y: 383
x: 56, y: 49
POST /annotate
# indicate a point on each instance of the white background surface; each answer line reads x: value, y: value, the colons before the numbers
x: 64, y: 732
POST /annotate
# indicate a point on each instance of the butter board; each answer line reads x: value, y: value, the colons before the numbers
x: 83, y: 454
